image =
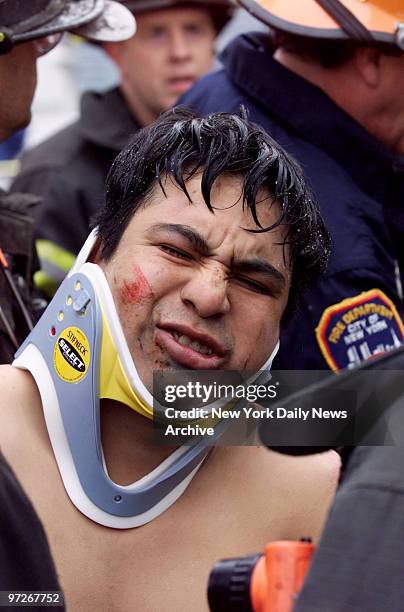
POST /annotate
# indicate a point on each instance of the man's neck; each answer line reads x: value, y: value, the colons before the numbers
x: 140, y: 112
x: 129, y: 444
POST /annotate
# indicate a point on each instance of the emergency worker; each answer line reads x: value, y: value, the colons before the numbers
x: 206, y: 225
x: 327, y: 82
x: 357, y: 565
x: 173, y: 47
x: 27, y: 31
x: 18, y: 80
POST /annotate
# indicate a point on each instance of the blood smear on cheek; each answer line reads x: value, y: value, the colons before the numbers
x: 136, y: 291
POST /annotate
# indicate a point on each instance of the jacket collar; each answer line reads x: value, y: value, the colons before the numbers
x: 106, y: 120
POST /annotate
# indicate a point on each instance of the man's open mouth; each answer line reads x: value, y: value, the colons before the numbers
x: 189, y: 348
x: 193, y: 344
x: 181, y: 83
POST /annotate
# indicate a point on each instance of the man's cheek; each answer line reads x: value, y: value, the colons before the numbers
x: 136, y: 289
x: 259, y: 347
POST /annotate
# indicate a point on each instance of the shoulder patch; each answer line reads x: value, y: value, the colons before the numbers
x: 358, y: 329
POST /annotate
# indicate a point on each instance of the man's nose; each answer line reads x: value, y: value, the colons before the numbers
x: 207, y: 292
x: 180, y: 47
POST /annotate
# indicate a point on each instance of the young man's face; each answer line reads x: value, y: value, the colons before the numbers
x: 18, y: 81
x: 193, y: 289
x: 172, y: 48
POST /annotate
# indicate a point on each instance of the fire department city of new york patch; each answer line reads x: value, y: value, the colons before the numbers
x: 359, y: 328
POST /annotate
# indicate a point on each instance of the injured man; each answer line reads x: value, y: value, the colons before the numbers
x: 208, y: 237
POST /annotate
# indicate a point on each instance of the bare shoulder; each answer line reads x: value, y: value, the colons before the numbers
x: 18, y: 396
x: 303, y: 474
x: 291, y: 494
x: 15, y: 386
x: 311, y: 471
x: 307, y: 486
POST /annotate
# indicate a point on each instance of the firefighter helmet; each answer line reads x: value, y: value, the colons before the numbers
x: 100, y: 20
x: 363, y: 21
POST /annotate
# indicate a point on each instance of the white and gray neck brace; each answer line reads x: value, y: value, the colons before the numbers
x: 78, y: 353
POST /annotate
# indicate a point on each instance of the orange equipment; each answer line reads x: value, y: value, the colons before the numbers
x: 267, y: 583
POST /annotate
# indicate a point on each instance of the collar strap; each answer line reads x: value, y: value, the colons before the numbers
x: 347, y: 21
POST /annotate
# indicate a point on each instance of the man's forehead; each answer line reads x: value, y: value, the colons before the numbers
x: 227, y: 206
x: 226, y: 191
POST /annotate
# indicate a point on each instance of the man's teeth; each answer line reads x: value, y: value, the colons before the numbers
x: 193, y: 344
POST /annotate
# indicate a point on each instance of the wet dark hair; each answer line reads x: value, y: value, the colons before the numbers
x: 180, y: 144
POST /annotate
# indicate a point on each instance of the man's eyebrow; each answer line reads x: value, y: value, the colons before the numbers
x: 259, y: 266
x: 197, y: 242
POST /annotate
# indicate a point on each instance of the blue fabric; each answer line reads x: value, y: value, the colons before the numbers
x: 10, y: 148
x: 358, y: 183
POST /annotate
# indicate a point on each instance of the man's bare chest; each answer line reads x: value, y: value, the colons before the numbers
x: 165, y: 564
x: 161, y: 566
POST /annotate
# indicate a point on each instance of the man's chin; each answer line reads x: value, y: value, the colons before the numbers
x: 7, y: 131
x: 27, y: 120
x: 22, y: 123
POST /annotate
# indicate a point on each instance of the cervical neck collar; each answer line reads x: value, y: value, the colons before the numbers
x: 77, y: 354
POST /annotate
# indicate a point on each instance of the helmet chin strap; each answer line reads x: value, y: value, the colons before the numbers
x: 77, y: 354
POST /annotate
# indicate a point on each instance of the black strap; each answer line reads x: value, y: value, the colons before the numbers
x: 347, y: 20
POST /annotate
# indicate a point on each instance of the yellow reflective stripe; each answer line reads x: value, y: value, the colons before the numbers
x: 56, y: 255
x: 9, y: 168
x: 45, y: 283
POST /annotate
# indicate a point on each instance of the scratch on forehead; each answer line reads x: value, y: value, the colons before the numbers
x: 137, y: 289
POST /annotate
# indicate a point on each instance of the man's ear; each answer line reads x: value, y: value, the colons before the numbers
x: 95, y: 255
x: 368, y: 65
x: 116, y: 51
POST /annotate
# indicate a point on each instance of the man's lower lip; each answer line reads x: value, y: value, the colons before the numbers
x: 184, y: 355
x: 180, y: 84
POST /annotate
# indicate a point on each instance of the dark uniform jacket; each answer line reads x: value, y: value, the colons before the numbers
x: 360, y: 188
x: 17, y: 245
x: 358, y: 562
x: 68, y: 171
x: 25, y: 559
